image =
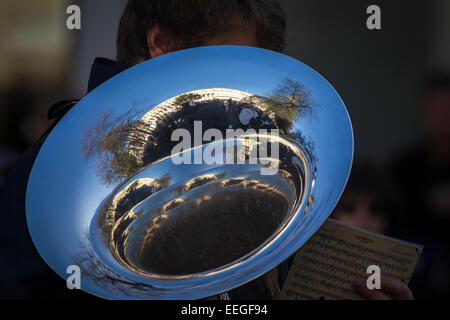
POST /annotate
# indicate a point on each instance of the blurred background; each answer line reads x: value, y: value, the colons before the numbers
x: 394, y: 82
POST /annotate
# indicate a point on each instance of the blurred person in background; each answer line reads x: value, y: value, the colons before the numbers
x: 368, y: 203
x: 423, y: 177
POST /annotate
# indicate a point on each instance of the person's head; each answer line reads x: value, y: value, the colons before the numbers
x: 365, y: 202
x: 150, y: 28
x: 437, y: 106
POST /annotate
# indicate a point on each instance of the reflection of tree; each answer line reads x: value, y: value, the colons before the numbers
x: 307, y: 143
x: 288, y: 101
x: 187, y: 98
x: 96, y: 270
x: 116, y: 142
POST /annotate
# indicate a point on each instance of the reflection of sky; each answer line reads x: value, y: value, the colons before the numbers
x: 64, y: 191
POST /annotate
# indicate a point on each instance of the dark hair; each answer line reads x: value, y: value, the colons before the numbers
x: 190, y: 22
x: 368, y: 178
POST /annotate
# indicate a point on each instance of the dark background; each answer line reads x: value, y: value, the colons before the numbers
x: 378, y: 73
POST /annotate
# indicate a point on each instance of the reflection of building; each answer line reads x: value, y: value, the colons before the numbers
x: 133, y: 140
x: 169, y: 106
x: 159, y: 114
x: 138, y: 184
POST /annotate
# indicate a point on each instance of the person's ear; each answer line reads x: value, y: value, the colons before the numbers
x: 156, y: 43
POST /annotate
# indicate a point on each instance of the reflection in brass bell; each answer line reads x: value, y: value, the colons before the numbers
x: 144, y: 219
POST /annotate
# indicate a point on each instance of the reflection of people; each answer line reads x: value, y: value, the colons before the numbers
x: 423, y: 177
x: 366, y: 203
x: 148, y: 28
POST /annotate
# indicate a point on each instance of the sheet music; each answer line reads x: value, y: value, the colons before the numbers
x: 338, y: 254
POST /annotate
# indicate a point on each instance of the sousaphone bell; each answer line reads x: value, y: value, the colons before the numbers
x: 190, y: 174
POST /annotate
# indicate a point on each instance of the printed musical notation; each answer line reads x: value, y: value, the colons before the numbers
x: 338, y: 254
